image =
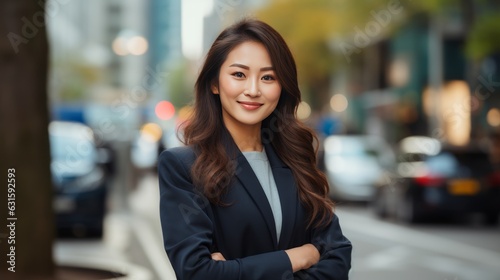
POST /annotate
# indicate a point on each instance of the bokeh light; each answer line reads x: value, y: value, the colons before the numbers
x: 137, y: 45
x: 303, y: 111
x: 493, y: 117
x: 119, y: 46
x: 151, y: 131
x: 339, y: 103
x: 164, y: 110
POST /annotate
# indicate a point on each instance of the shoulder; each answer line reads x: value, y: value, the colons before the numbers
x: 182, y: 156
x: 183, y: 153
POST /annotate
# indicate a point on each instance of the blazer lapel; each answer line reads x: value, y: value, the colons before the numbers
x: 285, y: 183
x: 248, y: 179
x: 287, y: 190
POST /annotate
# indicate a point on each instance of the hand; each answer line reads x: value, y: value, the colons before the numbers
x: 303, y: 257
x: 217, y: 256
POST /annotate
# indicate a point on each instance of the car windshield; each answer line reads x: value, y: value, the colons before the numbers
x: 353, y: 147
x: 71, y: 148
x: 460, y: 164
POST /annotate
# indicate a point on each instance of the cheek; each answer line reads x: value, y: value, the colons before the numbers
x: 230, y: 86
x: 275, y: 94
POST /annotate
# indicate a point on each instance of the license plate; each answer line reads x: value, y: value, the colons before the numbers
x: 64, y: 205
x: 463, y: 187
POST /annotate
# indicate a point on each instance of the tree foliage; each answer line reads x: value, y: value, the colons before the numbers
x: 180, y: 84
x: 482, y: 42
x: 312, y: 29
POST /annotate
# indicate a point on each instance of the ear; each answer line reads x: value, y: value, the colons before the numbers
x: 215, y: 89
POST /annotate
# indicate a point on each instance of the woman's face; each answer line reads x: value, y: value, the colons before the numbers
x: 248, y: 88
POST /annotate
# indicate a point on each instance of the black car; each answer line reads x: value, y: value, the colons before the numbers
x: 80, y: 180
x: 452, y: 182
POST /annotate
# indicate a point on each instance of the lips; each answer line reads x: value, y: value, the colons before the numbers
x: 250, y: 105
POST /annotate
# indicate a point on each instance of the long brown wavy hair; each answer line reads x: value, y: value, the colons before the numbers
x: 214, y: 168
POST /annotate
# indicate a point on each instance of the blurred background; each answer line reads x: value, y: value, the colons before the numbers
x: 404, y: 96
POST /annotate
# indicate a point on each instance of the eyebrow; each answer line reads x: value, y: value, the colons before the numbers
x: 248, y: 68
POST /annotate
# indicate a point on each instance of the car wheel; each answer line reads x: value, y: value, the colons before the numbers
x: 491, y: 219
x: 407, y: 211
x: 84, y: 231
x: 379, y: 205
x: 96, y: 232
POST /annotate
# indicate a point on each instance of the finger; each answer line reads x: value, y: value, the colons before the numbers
x: 218, y: 257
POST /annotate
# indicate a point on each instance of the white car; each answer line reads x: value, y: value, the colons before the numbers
x: 353, y: 165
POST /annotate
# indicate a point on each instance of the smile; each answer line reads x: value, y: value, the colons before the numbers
x: 250, y: 105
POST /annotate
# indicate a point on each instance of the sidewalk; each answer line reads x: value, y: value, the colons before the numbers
x: 147, y: 228
x: 132, y: 242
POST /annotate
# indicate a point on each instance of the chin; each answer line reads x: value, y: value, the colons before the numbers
x: 251, y: 123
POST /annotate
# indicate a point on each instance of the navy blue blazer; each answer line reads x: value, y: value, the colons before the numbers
x: 243, y: 230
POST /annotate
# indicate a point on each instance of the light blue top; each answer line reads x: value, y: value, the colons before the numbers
x: 262, y: 169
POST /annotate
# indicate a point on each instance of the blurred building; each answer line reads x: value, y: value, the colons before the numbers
x: 89, y: 29
x: 108, y: 58
x: 224, y: 13
x: 164, y: 31
x: 164, y: 19
x: 419, y: 81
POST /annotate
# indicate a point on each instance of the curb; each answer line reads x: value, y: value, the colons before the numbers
x: 120, y: 267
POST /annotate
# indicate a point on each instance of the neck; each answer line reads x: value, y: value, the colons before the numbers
x: 247, y: 138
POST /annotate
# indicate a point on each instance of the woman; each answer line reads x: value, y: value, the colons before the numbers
x: 244, y: 199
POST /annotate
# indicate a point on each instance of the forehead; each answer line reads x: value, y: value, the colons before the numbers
x: 249, y: 53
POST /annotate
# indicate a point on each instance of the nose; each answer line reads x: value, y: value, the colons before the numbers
x: 252, y: 89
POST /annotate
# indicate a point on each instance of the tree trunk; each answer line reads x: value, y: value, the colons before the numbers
x: 24, y: 143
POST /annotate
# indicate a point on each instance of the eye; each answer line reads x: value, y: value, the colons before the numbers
x: 238, y: 75
x: 268, y: 78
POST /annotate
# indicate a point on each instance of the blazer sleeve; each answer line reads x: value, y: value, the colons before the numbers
x: 188, y: 232
x: 335, y: 250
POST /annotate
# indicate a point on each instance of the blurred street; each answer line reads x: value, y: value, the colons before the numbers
x: 403, y: 96
x: 386, y: 250
x: 132, y: 237
x: 382, y: 249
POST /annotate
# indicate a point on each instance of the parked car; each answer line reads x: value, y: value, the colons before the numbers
x: 354, y: 163
x: 433, y: 181
x: 147, y: 146
x: 80, y: 179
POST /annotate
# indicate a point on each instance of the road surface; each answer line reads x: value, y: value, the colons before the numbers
x: 381, y: 249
